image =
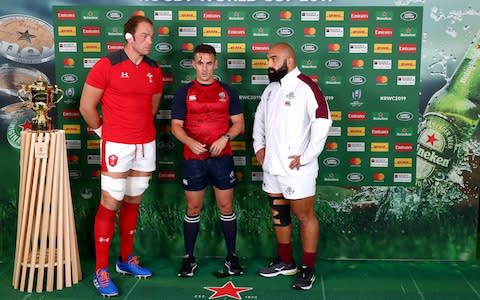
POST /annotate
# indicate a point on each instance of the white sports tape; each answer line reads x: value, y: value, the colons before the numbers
x: 114, y: 186
x: 137, y: 185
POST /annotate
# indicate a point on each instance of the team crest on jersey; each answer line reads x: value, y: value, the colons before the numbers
x: 289, y: 190
x: 113, y: 160
x: 150, y: 77
x: 192, y: 98
x: 221, y: 97
x: 290, y: 95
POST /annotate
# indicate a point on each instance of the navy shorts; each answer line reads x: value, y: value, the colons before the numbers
x: 217, y: 171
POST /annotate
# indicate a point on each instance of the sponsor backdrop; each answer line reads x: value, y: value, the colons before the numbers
x: 364, y: 58
x: 399, y: 177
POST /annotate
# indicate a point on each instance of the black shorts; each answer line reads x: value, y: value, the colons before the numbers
x: 217, y: 171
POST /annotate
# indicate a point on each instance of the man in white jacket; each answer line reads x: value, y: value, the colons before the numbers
x: 291, y: 126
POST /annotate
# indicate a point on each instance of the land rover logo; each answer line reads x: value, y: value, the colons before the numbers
x: 331, y: 161
x: 309, y: 48
x: 285, y: 31
x: 408, y: 15
x: 186, y: 63
x: 355, y: 177
x: 69, y: 78
x: 333, y: 64
x: 404, y: 116
x: 114, y: 15
x: 163, y: 47
x: 357, y: 80
x: 261, y: 15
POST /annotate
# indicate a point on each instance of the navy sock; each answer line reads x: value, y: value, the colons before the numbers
x: 228, y: 224
x: 191, y: 227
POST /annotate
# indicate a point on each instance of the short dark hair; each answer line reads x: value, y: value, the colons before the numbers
x: 132, y: 23
x: 205, y: 48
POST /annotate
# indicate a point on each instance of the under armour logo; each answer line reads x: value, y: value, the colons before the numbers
x: 124, y: 75
x: 132, y: 232
x: 104, y: 240
x: 150, y: 77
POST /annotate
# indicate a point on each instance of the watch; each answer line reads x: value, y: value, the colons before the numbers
x: 227, y: 136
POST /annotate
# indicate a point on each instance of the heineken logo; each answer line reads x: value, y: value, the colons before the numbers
x: 433, y: 157
x: 14, y: 131
x: 436, y: 147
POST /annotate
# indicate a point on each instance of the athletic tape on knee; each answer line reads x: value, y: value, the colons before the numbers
x: 136, y: 185
x: 282, y: 212
x: 114, y: 186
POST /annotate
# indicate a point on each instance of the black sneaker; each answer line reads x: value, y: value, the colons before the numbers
x: 232, y: 263
x: 278, y: 268
x: 188, y: 267
x: 305, y: 279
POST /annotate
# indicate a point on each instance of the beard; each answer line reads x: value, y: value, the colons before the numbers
x: 276, y: 75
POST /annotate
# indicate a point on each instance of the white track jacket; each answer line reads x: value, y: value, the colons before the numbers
x: 292, y: 118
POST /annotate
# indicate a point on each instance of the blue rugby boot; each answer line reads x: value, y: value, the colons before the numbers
x: 104, y: 284
x: 132, y: 267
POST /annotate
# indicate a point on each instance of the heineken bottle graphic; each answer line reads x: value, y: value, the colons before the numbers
x: 449, y: 121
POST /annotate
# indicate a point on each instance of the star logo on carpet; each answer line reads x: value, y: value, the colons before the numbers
x: 227, y: 290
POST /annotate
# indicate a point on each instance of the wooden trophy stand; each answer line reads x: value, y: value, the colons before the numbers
x: 46, y: 236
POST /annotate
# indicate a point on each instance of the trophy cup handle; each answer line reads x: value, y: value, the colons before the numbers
x: 59, y: 91
x: 23, y: 91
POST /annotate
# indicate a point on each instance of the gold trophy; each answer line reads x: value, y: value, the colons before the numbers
x: 41, y: 97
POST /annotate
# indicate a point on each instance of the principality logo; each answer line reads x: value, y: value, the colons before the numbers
x: 261, y: 15
x: 335, y: 131
x: 227, y: 290
x: 114, y: 15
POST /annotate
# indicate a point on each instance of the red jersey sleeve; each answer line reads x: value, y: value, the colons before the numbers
x: 97, y: 77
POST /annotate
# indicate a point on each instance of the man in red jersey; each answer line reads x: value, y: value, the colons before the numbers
x: 206, y: 115
x: 128, y: 86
